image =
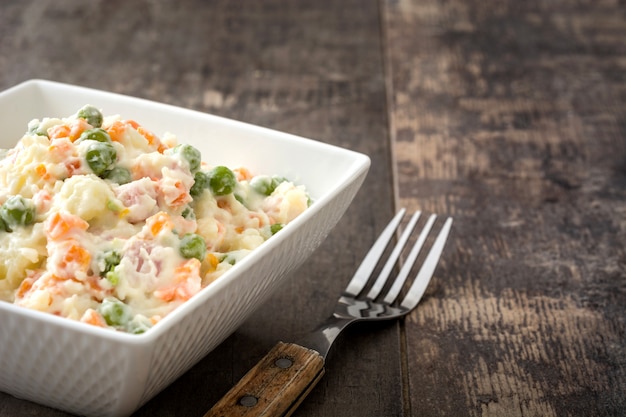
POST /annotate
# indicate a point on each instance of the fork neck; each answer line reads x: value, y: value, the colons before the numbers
x: 321, y: 339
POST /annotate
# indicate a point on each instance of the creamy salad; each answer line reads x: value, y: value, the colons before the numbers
x: 103, y: 222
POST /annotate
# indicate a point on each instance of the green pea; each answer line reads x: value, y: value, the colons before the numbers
x: 191, y: 155
x: 276, y: 227
x: 192, y: 246
x: 92, y: 115
x: 201, y: 182
x: 113, y: 277
x: 265, y: 185
x: 97, y: 134
x: 137, y: 329
x: 262, y: 184
x: 189, y: 214
x: 114, y: 312
x: 111, y: 259
x: 17, y: 211
x: 228, y: 258
x: 222, y: 180
x: 138, y: 326
x: 241, y: 199
x: 118, y: 175
x: 100, y: 157
x: 37, y: 130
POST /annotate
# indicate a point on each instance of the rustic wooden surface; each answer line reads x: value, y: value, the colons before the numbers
x: 511, y: 117
x: 508, y: 115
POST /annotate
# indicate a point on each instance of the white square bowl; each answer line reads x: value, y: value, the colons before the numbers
x: 92, y: 371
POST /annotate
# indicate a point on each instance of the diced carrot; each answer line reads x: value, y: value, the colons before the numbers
x: 166, y: 294
x: 159, y: 222
x: 117, y: 130
x: 242, y: 174
x: 60, y: 149
x: 76, y: 255
x: 71, y: 260
x: 72, y: 166
x: 187, y: 269
x: 123, y: 212
x: 132, y: 124
x: 150, y: 137
x: 59, y: 131
x: 42, y: 172
x: 51, y: 282
x: 91, y: 316
x: 212, y: 260
x: 183, y: 195
x: 59, y: 224
x: 24, y: 287
x: 77, y: 127
x: 182, y: 289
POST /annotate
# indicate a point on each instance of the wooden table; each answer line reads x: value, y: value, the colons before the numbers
x: 508, y: 115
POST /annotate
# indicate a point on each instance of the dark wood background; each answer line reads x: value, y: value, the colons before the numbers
x: 508, y: 115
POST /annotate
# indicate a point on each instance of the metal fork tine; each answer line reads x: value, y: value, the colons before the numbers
x: 395, y: 289
x: 362, y: 274
x: 393, y: 258
x: 428, y: 268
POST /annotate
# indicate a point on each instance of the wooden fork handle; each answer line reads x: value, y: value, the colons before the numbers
x: 275, y: 386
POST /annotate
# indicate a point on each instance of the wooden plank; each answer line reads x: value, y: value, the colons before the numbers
x: 510, y: 116
x: 312, y: 68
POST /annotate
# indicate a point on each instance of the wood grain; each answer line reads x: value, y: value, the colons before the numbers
x: 510, y: 117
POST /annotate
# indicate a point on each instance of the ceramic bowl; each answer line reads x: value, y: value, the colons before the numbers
x: 87, y: 370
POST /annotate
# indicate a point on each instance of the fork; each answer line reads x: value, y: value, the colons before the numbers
x: 279, y: 382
